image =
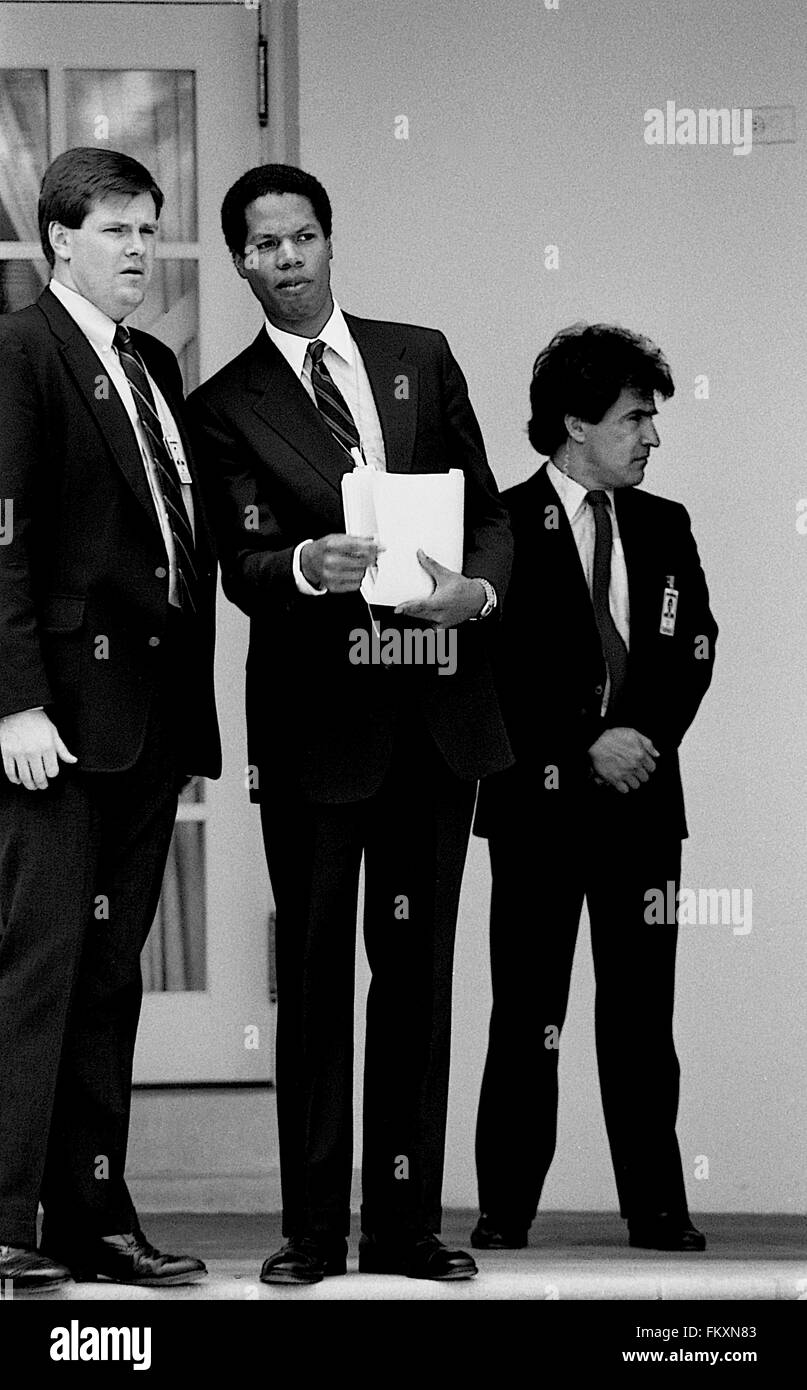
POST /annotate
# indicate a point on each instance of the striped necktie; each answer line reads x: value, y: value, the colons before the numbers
x: 167, y: 476
x: 331, y: 403
x: 613, y: 646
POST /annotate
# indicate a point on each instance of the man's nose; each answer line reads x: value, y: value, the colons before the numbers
x: 288, y: 253
x: 651, y: 435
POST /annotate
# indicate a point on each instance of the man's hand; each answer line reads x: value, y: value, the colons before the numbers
x: 455, y: 598
x: 623, y: 758
x: 31, y: 749
x: 337, y: 563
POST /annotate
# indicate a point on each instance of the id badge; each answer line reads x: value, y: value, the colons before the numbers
x: 669, y: 608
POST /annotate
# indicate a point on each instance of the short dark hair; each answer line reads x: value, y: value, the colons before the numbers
x: 269, y: 178
x: 583, y: 371
x: 85, y: 175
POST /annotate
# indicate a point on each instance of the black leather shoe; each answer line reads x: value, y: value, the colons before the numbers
x: 129, y: 1259
x: 489, y: 1234
x: 423, y: 1258
x: 27, y: 1269
x: 305, y: 1260
x: 664, y: 1231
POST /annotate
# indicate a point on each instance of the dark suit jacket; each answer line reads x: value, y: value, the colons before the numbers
x: 551, y: 673
x: 274, y: 470
x: 86, y: 549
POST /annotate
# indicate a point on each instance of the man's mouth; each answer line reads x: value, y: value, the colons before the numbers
x: 292, y: 286
x: 133, y: 270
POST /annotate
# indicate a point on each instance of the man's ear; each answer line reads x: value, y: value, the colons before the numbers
x: 61, y: 240
x: 575, y: 428
x: 330, y: 249
x: 240, y: 263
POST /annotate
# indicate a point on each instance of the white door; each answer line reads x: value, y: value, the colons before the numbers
x: 175, y: 86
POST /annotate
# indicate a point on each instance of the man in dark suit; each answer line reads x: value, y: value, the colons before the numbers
x: 605, y: 653
x: 107, y: 590
x: 350, y: 759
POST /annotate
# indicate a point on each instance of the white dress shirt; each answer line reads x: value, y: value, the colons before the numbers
x: 344, y: 362
x: 99, y: 329
x: 581, y: 519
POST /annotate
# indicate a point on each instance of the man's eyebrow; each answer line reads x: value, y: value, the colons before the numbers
x: 122, y: 222
x: 305, y: 227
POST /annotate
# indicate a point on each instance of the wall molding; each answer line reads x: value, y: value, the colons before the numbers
x: 202, y: 1194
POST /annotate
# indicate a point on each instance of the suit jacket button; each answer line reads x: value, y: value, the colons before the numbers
x: 598, y: 689
x: 160, y: 572
x: 154, y: 641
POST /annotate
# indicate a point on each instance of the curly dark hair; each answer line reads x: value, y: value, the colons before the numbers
x: 583, y: 372
x: 269, y: 178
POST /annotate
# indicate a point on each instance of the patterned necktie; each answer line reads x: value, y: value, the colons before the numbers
x: 132, y: 364
x: 331, y: 403
x: 613, y: 646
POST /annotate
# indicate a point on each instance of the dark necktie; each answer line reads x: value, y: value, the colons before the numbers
x: 613, y: 647
x: 331, y: 403
x: 132, y: 364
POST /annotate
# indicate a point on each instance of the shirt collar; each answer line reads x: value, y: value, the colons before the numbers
x: 335, y: 335
x: 571, y: 493
x: 93, y: 322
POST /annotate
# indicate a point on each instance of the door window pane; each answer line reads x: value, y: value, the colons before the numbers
x: 171, y: 312
x: 21, y: 282
x: 150, y: 115
x: 23, y: 150
x: 174, y: 957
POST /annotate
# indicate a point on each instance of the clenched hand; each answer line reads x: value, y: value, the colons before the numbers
x: 623, y: 758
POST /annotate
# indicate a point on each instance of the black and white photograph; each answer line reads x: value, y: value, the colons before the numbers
x: 403, y: 541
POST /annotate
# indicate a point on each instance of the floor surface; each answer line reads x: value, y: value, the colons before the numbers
x: 572, y: 1255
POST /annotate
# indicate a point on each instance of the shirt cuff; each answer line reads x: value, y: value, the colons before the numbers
x: 299, y: 578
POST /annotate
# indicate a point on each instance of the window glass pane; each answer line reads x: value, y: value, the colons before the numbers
x: 194, y: 795
x: 150, y: 115
x: 171, y: 312
x: 175, y: 955
x: 23, y: 150
x: 21, y: 282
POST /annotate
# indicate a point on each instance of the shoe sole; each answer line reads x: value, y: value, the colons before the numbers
x: 282, y: 1276
x: 434, y: 1278
x: 41, y: 1285
x: 85, y: 1277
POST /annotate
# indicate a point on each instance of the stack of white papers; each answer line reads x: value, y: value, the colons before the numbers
x: 405, y: 512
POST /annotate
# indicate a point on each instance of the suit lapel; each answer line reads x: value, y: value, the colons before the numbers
x: 394, y: 381
x: 566, y: 558
x: 637, y: 564
x: 564, y: 577
x: 101, y: 398
x: 285, y: 406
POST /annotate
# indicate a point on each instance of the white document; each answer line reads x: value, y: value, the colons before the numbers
x: 405, y: 512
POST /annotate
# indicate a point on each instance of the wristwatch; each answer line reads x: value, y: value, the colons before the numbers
x: 490, y: 600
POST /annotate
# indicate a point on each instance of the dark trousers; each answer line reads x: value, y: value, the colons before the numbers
x: 70, y: 984
x: 414, y: 835
x: 540, y: 879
